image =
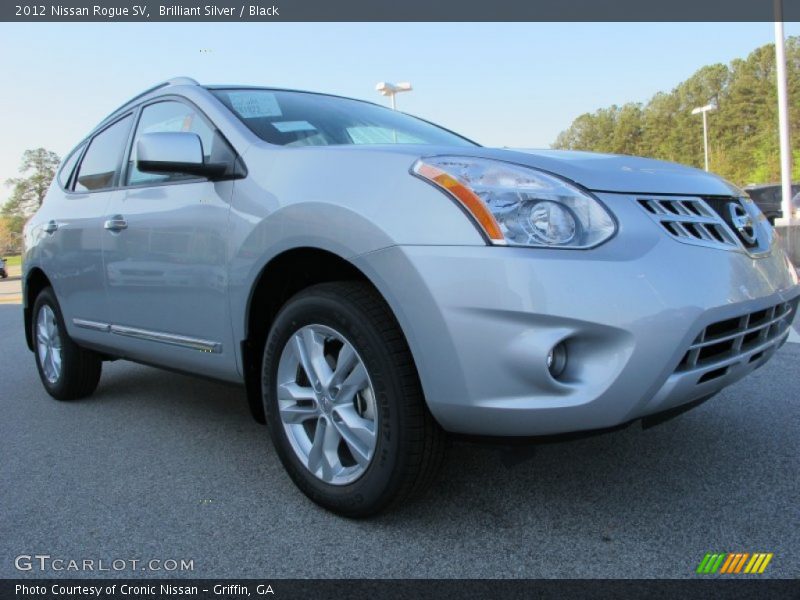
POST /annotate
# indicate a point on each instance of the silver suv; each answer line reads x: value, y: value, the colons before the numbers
x: 375, y: 281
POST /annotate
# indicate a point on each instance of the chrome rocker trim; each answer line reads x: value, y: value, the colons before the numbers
x: 152, y: 336
x: 93, y: 325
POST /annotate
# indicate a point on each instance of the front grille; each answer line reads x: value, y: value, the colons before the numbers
x: 725, y: 340
x: 721, y: 206
x: 691, y: 220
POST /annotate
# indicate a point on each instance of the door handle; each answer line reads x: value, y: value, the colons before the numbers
x: 51, y: 227
x: 116, y: 223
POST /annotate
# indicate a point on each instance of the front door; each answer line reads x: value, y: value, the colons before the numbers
x: 166, y: 258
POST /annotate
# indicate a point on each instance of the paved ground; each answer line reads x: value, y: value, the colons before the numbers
x: 157, y: 465
x: 11, y: 288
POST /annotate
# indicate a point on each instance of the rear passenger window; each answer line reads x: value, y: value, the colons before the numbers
x: 68, y: 166
x: 101, y: 163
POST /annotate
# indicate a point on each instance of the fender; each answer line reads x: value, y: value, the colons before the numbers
x: 306, y: 225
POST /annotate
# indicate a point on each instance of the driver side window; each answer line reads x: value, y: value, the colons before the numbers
x: 165, y: 117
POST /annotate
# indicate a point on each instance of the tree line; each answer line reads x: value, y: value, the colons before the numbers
x: 743, y: 131
x: 37, y: 170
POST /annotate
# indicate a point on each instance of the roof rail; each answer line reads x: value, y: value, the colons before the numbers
x: 181, y: 81
x: 163, y: 84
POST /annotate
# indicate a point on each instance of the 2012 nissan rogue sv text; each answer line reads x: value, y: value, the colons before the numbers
x: 376, y: 281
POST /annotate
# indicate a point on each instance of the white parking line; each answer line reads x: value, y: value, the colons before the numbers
x: 794, y: 337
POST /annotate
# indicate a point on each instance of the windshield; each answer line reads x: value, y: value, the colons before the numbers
x: 305, y: 119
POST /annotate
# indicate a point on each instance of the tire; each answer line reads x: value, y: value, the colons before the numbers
x: 408, y: 444
x: 79, y: 371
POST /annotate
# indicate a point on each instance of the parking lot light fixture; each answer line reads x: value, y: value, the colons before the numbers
x: 392, y: 89
x: 704, y: 110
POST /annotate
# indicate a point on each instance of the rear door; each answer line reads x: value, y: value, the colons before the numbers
x: 166, y: 262
x: 74, y: 238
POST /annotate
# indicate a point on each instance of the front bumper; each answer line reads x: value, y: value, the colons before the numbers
x: 481, y: 321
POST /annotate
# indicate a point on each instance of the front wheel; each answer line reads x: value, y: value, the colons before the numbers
x: 343, y: 401
x: 67, y: 371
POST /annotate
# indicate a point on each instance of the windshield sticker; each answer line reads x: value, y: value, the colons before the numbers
x: 252, y: 105
x: 288, y: 126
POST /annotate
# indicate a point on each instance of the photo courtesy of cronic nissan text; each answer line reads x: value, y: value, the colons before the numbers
x: 347, y: 299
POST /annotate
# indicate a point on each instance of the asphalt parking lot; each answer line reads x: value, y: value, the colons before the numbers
x: 159, y: 465
x: 11, y: 287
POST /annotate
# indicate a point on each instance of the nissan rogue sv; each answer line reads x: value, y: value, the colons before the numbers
x: 375, y: 281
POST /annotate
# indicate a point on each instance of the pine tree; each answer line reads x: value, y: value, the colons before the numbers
x: 743, y: 131
x: 38, y: 170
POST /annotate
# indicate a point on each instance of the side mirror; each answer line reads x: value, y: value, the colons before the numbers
x: 171, y: 152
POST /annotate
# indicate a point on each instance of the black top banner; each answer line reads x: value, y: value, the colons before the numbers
x: 400, y: 10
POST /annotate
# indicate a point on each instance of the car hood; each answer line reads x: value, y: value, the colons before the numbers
x: 618, y: 173
x: 594, y: 171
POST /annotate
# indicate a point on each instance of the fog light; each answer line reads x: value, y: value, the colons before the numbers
x: 557, y: 360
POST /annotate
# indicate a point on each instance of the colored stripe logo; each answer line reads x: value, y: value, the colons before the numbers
x: 734, y: 563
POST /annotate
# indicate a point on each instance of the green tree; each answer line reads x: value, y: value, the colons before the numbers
x: 743, y: 131
x: 11, y: 235
x: 36, y: 173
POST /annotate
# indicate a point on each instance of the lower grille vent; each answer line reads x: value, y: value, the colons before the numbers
x: 724, y: 340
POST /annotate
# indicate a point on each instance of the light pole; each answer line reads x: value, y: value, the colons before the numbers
x: 783, y: 118
x: 392, y: 89
x: 704, y: 110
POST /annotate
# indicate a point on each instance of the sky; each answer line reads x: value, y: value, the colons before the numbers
x: 501, y: 84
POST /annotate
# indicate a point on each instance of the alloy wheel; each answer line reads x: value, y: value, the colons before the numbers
x: 48, y: 343
x: 327, y: 404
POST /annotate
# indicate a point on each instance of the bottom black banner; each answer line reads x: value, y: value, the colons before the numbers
x: 389, y: 589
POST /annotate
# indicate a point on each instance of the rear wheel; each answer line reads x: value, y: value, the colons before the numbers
x: 67, y: 371
x: 344, y: 403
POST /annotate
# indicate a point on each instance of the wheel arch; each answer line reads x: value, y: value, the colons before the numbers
x: 283, y: 276
x: 34, y: 282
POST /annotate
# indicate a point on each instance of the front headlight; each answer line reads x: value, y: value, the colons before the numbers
x: 520, y: 206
